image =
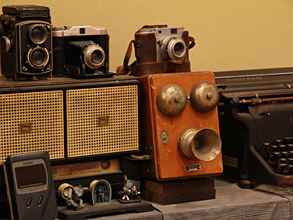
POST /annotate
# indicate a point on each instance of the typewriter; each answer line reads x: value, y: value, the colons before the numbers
x: 256, y: 121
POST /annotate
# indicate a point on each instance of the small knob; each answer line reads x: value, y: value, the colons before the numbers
x: 204, y: 97
x: 6, y: 43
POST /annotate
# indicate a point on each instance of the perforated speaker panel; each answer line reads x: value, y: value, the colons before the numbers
x: 31, y: 122
x: 102, y: 120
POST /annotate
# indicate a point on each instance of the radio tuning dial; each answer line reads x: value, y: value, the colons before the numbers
x: 204, y: 97
x: 171, y: 100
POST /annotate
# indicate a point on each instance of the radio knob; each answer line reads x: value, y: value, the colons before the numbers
x: 105, y: 164
x: 40, y: 200
x: 204, y: 144
x: 171, y: 100
x: 204, y: 97
x: 28, y: 202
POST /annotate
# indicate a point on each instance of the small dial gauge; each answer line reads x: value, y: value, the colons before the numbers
x: 101, y: 191
x: 171, y: 100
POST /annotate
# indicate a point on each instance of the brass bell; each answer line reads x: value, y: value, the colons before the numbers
x: 171, y: 100
x: 204, y: 97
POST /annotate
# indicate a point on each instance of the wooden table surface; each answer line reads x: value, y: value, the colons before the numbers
x: 231, y: 203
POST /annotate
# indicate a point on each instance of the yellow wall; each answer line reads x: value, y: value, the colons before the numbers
x: 231, y: 34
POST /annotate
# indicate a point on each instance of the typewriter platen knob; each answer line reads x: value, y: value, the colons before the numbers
x: 171, y: 100
x: 204, y: 97
x: 204, y: 144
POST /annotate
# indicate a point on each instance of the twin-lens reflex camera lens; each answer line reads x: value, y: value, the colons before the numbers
x: 38, y: 57
x: 38, y: 33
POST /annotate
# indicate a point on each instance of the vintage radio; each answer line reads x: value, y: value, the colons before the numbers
x: 181, y: 127
x: 159, y: 49
x: 256, y: 118
x: 69, y: 118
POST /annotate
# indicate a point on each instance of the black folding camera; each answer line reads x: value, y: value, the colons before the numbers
x: 256, y: 119
x: 82, y: 51
x: 26, y: 43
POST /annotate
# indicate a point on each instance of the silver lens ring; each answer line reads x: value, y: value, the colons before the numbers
x: 36, y: 53
x: 175, y: 49
x: 38, y: 33
x: 94, y: 56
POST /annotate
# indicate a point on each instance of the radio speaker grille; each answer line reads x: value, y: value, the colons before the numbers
x: 30, y: 122
x: 102, y: 120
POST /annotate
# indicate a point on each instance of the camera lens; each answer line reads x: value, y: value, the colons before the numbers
x: 38, y: 33
x: 176, y: 49
x: 97, y: 56
x: 38, y: 57
x: 179, y: 49
x: 94, y: 56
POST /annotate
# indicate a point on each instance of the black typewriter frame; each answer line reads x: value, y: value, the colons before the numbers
x: 242, y: 92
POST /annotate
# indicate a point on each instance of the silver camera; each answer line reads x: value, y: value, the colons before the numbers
x: 171, y: 43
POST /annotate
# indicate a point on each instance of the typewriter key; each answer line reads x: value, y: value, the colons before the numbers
x: 283, y: 147
x: 275, y: 148
x: 283, y: 160
x: 284, y: 153
x: 282, y: 168
x: 276, y: 154
x: 290, y: 168
x: 290, y: 146
x: 279, y: 141
x: 288, y: 140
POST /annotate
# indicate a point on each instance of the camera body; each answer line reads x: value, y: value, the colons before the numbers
x: 82, y: 51
x: 26, y: 43
x: 161, y: 49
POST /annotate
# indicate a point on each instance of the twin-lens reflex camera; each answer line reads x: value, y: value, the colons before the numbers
x: 26, y: 43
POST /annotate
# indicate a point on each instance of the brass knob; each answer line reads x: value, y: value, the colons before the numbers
x: 171, y: 100
x: 203, y: 144
x: 204, y: 97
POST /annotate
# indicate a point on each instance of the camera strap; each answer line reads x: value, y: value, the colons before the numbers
x: 191, y: 42
x: 125, y: 68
